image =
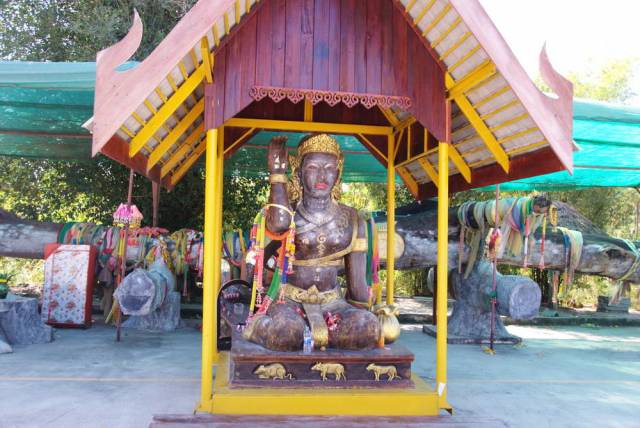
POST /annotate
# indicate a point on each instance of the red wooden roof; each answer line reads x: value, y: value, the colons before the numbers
x: 404, y: 57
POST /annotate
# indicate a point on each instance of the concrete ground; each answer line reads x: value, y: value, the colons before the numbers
x: 562, y: 376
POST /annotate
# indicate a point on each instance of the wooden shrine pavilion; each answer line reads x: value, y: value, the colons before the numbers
x: 429, y: 87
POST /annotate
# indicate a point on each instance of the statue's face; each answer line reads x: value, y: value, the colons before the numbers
x: 318, y: 174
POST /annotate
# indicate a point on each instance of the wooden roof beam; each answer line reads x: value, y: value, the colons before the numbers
x: 456, y: 92
x: 171, y: 138
x: 166, y: 110
x: 472, y: 79
x: 460, y: 163
x: 188, y: 163
x: 429, y: 169
x: 181, y: 151
x: 408, y: 179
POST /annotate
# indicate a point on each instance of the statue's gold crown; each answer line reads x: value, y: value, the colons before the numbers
x: 321, y: 143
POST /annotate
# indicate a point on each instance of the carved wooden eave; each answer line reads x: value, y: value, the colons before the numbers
x: 502, y: 126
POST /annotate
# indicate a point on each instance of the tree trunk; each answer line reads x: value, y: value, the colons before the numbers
x: 416, y: 245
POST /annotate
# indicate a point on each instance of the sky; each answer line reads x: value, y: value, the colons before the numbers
x: 580, y: 34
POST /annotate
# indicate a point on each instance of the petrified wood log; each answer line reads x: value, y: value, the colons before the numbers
x: 602, y: 254
x: 20, y: 323
x: 518, y: 297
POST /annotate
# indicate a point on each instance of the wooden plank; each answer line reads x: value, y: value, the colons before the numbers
x: 333, y: 82
x: 219, y: 79
x: 321, y: 26
x: 373, y: 46
x: 292, y: 57
x: 414, y: 70
x: 248, y: 62
x: 263, y: 46
x: 400, y: 54
x: 359, y: 25
x: 278, y: 41
x: 415, y: 30
x: 305, y: 79
x: 347, y: 43
x: 232, y: 82
x: 389, y: 71
x: 280, y: 421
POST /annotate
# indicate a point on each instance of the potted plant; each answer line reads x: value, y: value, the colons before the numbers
x: 4, y: 284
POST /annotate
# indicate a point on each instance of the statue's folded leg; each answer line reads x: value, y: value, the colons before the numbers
x: 281, y: 329
x: 356, y: 328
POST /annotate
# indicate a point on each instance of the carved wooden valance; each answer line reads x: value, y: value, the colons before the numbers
x: 332, y: 98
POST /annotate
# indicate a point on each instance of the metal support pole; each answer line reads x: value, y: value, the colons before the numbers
x: 155, y: 196
x: 443, y: 255
x: 391, y: 216
x: 123, y: 267
x: 208, y: 281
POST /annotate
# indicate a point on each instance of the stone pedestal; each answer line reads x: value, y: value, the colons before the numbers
x: 20, y: 323
x: 165, y: 318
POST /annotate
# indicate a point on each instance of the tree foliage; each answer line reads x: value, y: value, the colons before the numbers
x: 611, y: 82
x: 75, y: 30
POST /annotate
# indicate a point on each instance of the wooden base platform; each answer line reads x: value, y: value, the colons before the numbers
x: 255, y: 366
x: 262, y: 421
x: 418, y: 400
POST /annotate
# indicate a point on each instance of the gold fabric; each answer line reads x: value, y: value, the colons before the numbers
x: 316, y: 263
x: 319, y: 329
x: 312, y: 295
x: 278, y: 178
x: 321, y: 143
x: 360, y: 245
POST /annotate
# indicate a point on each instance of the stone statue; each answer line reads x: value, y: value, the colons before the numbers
x: 329, y: 236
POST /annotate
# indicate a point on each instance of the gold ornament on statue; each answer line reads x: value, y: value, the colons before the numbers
x: 389, y: 324
x: 319, y: 143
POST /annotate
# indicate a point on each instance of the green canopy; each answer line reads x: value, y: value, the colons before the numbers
x: 608, y: 137
x: 43, y: 107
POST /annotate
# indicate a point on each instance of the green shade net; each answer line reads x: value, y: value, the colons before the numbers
x: 43, y: 107
x: 608, y: 137
x: 359, y: 165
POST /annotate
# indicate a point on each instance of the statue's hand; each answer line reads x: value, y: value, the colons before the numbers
x: 277, y: 155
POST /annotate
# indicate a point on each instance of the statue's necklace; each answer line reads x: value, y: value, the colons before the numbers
x: 320, y: 218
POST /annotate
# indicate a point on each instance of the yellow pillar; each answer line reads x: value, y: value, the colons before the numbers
x: 219, y: 192
x: 212, y: 259
x: 443, y: 254
x: 209, y: 327
x: 391, y: 216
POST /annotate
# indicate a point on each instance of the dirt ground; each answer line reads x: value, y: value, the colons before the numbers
x: 561, y: 377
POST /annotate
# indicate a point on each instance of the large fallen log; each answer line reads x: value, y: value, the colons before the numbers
x: 416, y: 242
